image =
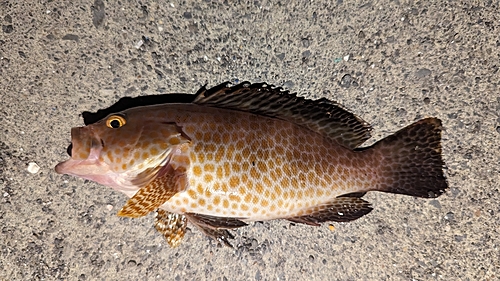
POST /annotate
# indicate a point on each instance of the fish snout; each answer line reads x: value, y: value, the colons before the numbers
x: 84, y: 151
x: 82, y: 142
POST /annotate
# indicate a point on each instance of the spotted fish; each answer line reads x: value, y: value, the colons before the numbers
x: 251, y: 152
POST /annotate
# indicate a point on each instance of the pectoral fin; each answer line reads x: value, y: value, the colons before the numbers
x: 341, y: 209
x: 152, y: 196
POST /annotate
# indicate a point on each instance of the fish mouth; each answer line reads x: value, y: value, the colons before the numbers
x: 69, y: 149
x: 84, y: 151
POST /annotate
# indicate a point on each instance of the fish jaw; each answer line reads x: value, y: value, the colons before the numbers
x: 85, y: 162
x: 90, y: 169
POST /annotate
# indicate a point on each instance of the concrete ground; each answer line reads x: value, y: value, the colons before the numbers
x: 390, y: 62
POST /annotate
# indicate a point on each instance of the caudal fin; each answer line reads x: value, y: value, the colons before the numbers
x: 411, y: 160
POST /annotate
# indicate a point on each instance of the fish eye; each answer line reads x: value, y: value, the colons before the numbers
x: 115, y: 121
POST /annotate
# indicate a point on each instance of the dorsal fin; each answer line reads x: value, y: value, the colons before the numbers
x: 323, y: 116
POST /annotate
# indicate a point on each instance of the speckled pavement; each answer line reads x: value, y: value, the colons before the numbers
x: 390, y: 62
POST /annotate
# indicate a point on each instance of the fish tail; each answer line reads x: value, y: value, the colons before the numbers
x: 411, y: 160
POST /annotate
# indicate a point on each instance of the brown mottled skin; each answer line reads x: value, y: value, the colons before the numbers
x: 258, y: 168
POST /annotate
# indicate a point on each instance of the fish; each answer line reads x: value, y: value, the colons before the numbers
x: 235, y: 154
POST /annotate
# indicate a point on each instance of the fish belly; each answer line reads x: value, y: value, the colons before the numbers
x: 258, y: 168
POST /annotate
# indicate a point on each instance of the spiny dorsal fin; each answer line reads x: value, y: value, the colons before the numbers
x: 322, y: 116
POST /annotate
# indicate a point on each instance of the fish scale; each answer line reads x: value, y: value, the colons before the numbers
x: 251, y: 152
x: 266, y: 169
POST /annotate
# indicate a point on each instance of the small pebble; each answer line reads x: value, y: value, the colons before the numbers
x: 109, y: 207
x: 288, y: 84
x: 33, y: 168
x: 423, y: 72
x: 435, y: 203
x: 477, y: 213
x: 346, y: 80
x: 139, y: 44
x: 449, y: 216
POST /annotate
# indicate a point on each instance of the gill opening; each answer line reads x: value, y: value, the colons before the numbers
x: 152, y: 169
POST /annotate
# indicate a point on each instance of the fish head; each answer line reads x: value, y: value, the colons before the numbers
x: 124, y: 150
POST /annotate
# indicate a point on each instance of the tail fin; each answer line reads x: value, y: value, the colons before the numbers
x: 412, y: 163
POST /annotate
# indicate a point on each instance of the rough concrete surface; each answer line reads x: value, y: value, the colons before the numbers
x: 390, y: 62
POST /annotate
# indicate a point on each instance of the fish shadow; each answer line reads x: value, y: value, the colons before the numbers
x: 131, y: 102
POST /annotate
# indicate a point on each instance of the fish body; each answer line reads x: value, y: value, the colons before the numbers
x: 251, y: 153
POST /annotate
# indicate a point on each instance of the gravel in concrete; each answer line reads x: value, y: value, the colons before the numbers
x: 390, y: 62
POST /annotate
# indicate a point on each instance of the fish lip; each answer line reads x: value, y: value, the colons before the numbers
x: 84, y: 138
x: 60, y: 167
x: 81, y: 167
x: 65, y: 166
x: 84, y: 149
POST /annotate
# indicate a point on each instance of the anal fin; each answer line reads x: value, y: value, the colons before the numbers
x: 215, y: 227
x: 341, y: 209
x: 152, y: 196
x: 172, y: 226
